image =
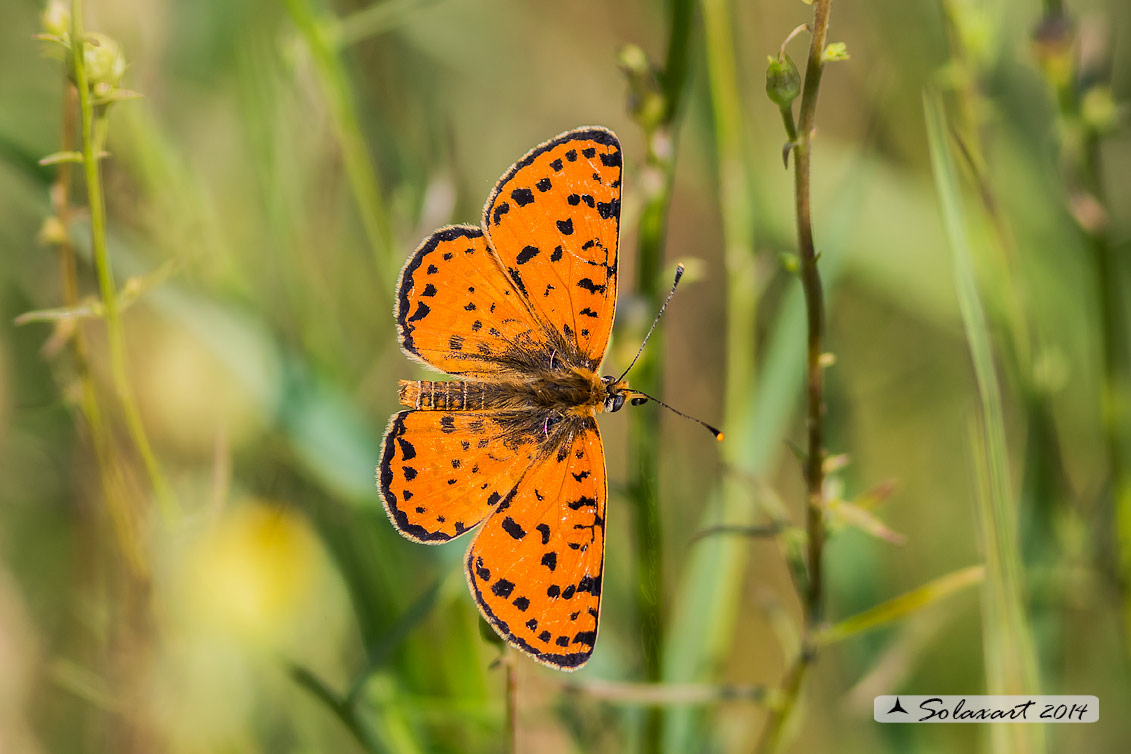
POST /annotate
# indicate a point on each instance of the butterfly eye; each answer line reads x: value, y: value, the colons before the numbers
x: 614, y: 402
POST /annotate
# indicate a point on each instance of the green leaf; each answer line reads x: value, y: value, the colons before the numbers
x: 834, y: 52
x: 56, y: 158
x: 903, y: 605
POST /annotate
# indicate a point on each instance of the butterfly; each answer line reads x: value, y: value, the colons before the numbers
x: 519, y: 310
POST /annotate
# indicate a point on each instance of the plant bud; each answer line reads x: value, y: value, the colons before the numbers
x: 105, y: 63
x: 783, y: 81
x: 56, y: 18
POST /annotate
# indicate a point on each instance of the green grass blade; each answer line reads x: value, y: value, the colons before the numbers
x: 904, y: 605
x: 1010, y: 663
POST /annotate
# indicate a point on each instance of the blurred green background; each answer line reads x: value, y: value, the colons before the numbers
x: 283, y: 161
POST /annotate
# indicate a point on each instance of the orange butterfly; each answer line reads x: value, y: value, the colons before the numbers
x: 521, y: 310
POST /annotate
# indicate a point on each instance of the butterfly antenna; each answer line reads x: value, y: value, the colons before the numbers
x: 643, y: 397
x: 656, y: 321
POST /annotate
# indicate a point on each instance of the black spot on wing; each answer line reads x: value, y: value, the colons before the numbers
x: 408, y: 450
x: 522, y: 196
x: 566, y: 226
x: 512, y: 527
x: 609, y: 209
x: 481, y: 571
x: 545, y: 531
x: 591, y: 584
x: 585, y: 637
x: 500, y: 210
x: 528, y: 253
x: 544, y: 185
x: 583, y: 502
x: 502, y: 588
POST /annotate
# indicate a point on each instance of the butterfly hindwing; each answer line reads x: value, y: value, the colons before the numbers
x: 535, y: 567
x: 554, y: 221
x: 441, y: 473
x: 458, y: 312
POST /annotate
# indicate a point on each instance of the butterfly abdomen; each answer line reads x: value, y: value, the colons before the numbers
x: 459, y: 395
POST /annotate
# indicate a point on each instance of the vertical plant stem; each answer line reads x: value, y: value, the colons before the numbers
x: 644, y: 427
x: 1088, y: 203
x: 100, y: 434
x: 737, y: 199
x: 814, y: 313
x: 814, y: 388
x: 115, y: 337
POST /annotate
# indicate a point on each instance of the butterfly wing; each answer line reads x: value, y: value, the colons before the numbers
x: 535, y: 567
x: 554, y: 221
x: 441, y: 473
x: 457, y: 311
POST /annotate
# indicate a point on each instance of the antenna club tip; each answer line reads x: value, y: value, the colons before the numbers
x: 679, y: 269
x: 719, y: 437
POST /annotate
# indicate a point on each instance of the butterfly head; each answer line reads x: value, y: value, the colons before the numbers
x: 616, y: 393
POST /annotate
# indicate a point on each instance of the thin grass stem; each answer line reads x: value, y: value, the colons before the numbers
x: 356, y: 161
x: 92, y: 131
x: 644, y: 427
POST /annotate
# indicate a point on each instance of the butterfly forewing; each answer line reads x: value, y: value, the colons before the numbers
x: 535, y: 567
x: 554, y: 220
x: 457, y: 311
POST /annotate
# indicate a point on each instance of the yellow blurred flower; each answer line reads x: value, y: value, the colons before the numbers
x: 252, y: 576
